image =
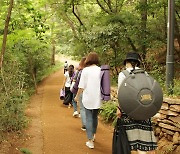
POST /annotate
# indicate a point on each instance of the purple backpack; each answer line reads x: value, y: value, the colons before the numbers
x: 75, y: 87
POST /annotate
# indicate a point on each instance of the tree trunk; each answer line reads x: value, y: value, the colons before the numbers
x: 165, y: 21
x: 143, y: 4
x: 33, y: 73
x: 53, y: 53
x: 6, y: 32
x: 115, y: 49
x: 177, y: 35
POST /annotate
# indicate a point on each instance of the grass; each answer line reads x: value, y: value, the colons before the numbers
x: 25, y: 151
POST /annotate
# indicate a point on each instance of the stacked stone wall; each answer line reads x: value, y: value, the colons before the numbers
x: 167, y: 121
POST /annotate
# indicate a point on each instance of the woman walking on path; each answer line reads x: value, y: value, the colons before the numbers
x: 74, y: 103
x: 67, y: 84
x: 74, y: 91
x: 89, y: 85
x: 139, y: 132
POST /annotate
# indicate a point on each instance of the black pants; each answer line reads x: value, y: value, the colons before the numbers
x: 65, y: 70
x: 68, y: 96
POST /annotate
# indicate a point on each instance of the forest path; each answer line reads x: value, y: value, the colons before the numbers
x: 54, y: 130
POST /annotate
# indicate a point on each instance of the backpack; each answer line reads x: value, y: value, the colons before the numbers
x: 140, y: 96
x: 74, y: 88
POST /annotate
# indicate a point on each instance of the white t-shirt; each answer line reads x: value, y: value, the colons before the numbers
x: 65, y: 65
x: 121, y: 76
x: 68, y: 79
x: 90, y: 82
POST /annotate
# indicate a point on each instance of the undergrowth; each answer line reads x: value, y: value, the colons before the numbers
x: 108, y: 112
x: 15, y: 92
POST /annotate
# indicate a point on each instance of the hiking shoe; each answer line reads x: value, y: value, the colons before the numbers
x: 75, y: 114
x: 83, y: 128
x: 90, y: 144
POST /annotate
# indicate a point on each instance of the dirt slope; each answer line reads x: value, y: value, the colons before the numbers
x: 54, y: 130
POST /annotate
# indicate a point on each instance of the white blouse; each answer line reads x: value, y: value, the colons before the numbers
x: 90, y: 83
x: 68, y: 79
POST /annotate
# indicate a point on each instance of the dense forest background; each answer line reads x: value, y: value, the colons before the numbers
x: 32, y: 32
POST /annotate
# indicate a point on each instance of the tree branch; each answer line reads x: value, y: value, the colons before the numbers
x: 109, y: 5
x: 178, y: 14
x: 128, y: 38
x: 102, y: 7
x: 73, y: 10
x: 71, y: 24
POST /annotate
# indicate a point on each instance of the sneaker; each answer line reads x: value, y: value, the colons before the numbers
x: 90, y: 144
x: 69, y: 106
x: 75, y: 114
x: 83, y: 128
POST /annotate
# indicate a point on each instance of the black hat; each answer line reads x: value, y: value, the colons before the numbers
x: 133, y: 56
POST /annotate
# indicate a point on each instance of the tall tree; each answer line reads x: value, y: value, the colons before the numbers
x: 143, y: 10
x: 11, y: 2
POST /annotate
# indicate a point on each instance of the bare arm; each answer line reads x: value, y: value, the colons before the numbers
x: 64, y: 81
x: 80, y: 90
x: 118, y: 112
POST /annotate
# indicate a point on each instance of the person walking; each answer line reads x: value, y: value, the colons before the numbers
x: 89, y: 86
x: 67, y: 84
x: 140, y: 134
x: 65, y: 67
x: 74, y: 103
x: 74, y: 91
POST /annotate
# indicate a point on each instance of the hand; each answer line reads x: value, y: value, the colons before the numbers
x: 76, y: 99
x: 118, y: 113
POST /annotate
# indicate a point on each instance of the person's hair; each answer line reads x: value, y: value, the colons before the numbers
x: 91, y: 59
x: 71, y: 70
x: 133, y: 62
x: 82, y: 63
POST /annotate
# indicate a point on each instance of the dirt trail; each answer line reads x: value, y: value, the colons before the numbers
x: 54, y: 130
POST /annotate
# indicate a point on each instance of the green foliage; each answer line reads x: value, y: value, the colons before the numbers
x: 49, y: 70
x: 157, y: 73
x: 25, y: 151
x: 25, y: 54
x: 111, y: 29
x: 108, y: 111
x: 13, y: 98
x: 34, y: 55
x: 176, y: 88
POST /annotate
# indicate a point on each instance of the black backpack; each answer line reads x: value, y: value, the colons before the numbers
x: 140, y: 96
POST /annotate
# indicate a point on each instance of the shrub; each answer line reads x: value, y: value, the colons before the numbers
x: 108, y: 111
x: 13, y: 98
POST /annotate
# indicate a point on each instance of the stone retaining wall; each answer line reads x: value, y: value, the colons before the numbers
x: 166, y: 121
